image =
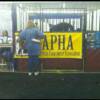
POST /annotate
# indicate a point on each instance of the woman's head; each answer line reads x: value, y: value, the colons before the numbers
x: 5, y: 33
x: 30, y: 24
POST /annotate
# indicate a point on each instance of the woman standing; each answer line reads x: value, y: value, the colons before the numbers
x: 31, y: 36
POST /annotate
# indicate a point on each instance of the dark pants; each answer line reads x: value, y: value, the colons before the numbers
x: 7, y: 55
x: 33, y: 63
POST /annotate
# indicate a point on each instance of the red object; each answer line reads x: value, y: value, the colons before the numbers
x: 57, y: 63
x: 22, y: 65
x: 92, y: 60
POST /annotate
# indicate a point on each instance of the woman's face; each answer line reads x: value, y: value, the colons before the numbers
x: 5, y: 34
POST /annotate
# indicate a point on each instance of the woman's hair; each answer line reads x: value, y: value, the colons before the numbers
x: 5, y: 33
x: 30, y: 24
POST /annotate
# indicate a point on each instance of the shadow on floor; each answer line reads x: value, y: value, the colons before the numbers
x: 49, y: 86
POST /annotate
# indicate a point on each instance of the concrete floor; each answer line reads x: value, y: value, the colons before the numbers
x: 49, y: 86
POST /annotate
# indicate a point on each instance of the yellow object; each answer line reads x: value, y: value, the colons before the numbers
x: 20, y: 56
x: 60, y: 45
x: 16, y: 33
